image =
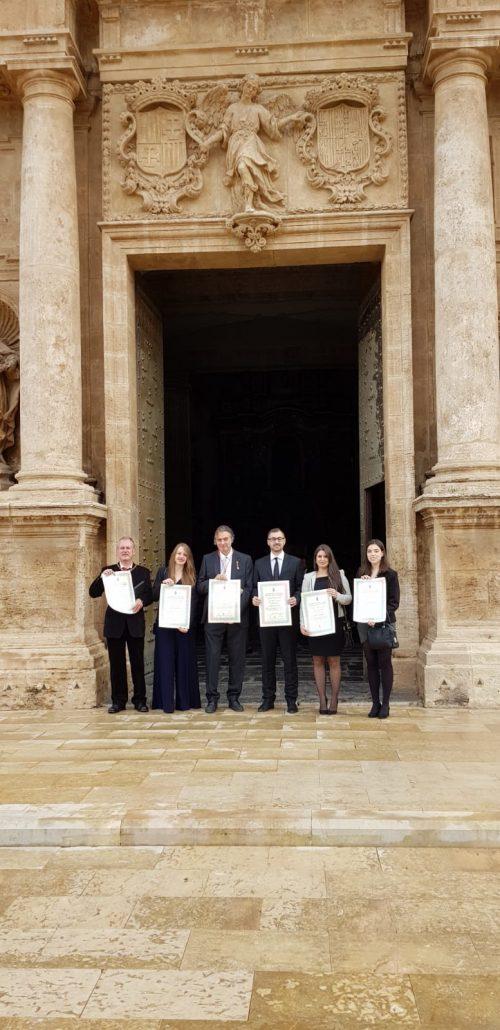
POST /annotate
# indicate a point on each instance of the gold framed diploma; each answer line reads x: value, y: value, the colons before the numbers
x: 174, y: 611
x: 318, y: 614
x: 224, y: 600
x: 274, y: 609
x: 119, y: 591
x: 370, y: 600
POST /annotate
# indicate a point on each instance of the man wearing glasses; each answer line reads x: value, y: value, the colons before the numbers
x: 278, y: 565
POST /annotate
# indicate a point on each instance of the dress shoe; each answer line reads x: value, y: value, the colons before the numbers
x: 266, y: 706
x: 115, y: 708
x: 374, y: 710
x: 235, y: 705
x: 141, y: 708
x: 291, y: 707
x: 384, y: 711
x: 211, y: 707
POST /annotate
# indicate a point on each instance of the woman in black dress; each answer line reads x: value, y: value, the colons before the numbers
x: 379, y: 662
x: 175, y: 683
x: 328, y: 648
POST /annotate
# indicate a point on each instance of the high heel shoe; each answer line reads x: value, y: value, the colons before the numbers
x: 374, y: 710
x: 324, y: 711
x: 384, y: 711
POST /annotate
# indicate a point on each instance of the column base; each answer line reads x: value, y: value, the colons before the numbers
x: 459, y: 674
x: 37, y: 676
x: 51, y: 654
x: 458, y: 662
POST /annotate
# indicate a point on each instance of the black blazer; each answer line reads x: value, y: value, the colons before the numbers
x: 241, y: 568
x: 160, y: 576
x: 115, y: 622
x: 392, y: 581
x: 292, y: 569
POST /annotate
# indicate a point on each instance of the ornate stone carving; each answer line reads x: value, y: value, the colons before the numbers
x: 344, y: 145
x: 254, y: 228
x: 161, y: 163
x: 251, y: 171
x: 9, y: 386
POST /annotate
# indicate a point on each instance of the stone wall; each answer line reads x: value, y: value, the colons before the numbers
x: 371, y: 405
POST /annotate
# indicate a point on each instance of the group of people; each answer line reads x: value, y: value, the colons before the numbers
x: 175, y: 683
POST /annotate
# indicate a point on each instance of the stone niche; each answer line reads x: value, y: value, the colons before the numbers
x: 341, y: 145
x: 156, y: 23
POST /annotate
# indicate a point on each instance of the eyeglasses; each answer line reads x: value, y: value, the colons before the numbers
x: 275, y: 539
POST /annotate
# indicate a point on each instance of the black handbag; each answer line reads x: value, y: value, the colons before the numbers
x: 383, y: 635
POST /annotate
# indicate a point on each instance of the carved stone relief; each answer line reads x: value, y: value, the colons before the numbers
x: 345, y: 145
x: 161, y: 163
x: 9, y: 388
x: 201, y: 150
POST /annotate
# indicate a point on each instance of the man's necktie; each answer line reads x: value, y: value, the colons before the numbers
x: 276, y: 572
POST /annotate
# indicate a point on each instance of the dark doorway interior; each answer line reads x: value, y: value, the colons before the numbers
x: 261, y: 404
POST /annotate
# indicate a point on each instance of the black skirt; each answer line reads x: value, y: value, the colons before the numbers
x: 332, y: 644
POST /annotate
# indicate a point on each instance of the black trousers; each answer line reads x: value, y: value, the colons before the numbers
x: 118, y: 668
x: 236, y: 639
x: 269, y: 640
x: 379, y: 665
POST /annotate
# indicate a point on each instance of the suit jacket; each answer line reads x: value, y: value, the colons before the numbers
x: 292, y: 569
x: 115, y: 622
x: 241, y: 568
x: 160, y: 576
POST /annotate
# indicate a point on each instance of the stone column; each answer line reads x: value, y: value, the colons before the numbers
x: 51, y: 402
x: 466, y: 315
x: 459, y: 510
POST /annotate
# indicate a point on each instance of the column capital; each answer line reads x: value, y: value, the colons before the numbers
x: 60, y: 78
x: 447, y: 64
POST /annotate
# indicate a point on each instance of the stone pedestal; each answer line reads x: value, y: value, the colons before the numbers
x: 50, y: 522
x: 459, y: 659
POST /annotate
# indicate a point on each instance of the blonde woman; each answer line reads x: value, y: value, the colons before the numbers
x: 175, y: 684
x: 327, y: 649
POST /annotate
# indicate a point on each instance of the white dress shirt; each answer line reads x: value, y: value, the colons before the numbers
x: 280, y: 558
x: 226, y: 561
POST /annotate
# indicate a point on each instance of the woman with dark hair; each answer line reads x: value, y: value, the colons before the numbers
x: 379, y: 662
x: 327, y: 576
x: 175, y: 683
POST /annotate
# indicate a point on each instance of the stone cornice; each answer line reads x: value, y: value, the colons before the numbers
x: 373, y: 53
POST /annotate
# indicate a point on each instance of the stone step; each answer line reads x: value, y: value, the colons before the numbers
x: 86, y: 825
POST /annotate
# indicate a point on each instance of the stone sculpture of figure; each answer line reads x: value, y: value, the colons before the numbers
x: 248, y: 164
x: 9, y: 382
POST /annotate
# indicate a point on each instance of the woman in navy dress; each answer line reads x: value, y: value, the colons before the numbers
x: 175, y: 684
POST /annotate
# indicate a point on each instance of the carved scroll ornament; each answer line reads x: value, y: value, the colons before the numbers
x: 344, y: 145
x: 161, y: 158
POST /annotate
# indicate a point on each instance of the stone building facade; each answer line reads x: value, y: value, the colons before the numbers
x: 146, y: 137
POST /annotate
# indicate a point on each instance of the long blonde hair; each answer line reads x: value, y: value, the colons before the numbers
x: 188, y: 572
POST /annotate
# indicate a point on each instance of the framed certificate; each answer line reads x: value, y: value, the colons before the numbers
x: 119, y: 591
x: 174, y: 611
x: 317, y: 612
x: 274, y: 609
x: 224, y: 604
x: 370, y: 600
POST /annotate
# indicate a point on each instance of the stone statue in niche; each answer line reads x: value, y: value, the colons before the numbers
x: 9, y: 387
x: 251, y: 172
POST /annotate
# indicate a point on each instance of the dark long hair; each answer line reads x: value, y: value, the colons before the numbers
x: 333, y: 573
x: 365, y: 568
x: 188, y: 571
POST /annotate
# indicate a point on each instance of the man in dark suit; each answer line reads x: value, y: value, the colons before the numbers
x: 278, y: 565
x: 225, y: 563
x: 126, y: 631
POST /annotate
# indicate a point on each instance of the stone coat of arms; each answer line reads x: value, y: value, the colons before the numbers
x: 344, y: 143
x: 161, y: 158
